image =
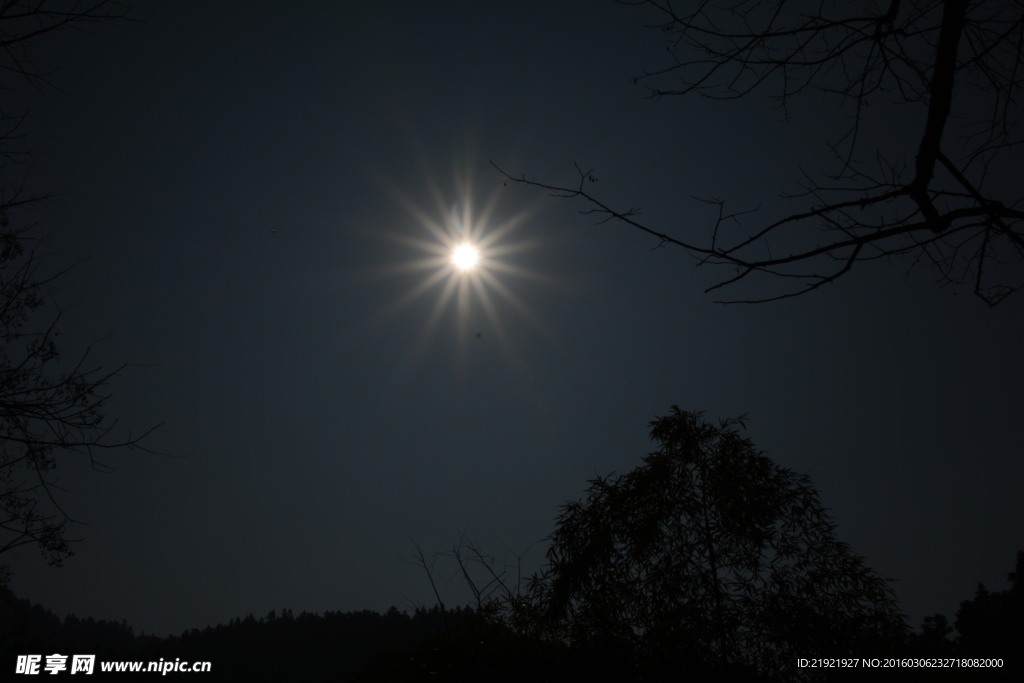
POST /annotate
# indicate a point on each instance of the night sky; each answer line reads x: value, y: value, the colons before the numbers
x: 256, y: 193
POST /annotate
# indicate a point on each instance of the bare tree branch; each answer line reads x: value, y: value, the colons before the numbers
x: 47, y: 408
x: 958, y: 62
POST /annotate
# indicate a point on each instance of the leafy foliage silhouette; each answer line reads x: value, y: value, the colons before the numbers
x: 710, y: 554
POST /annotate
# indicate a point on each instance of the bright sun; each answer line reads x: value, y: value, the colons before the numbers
x: 465, y: 263
x: 465, y: 257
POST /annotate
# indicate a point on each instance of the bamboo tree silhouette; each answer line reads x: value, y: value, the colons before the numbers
x: 710, y: 554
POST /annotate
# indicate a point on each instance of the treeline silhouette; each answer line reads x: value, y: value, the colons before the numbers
x: 708, y: 561
x: 991, y: 625
x: 276, y: 647
x: 463, y: 644
x: 473, y: 648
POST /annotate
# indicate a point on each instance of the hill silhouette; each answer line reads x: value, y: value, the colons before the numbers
x: 275, y: 647
x: 457, y: 644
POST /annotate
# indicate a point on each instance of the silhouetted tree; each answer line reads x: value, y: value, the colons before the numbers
x: 46, y: 408
x: 708, y: 556
x: 934, y: 638
x: 22, y: 24
x: 992, y: 624
x: 955, y: 65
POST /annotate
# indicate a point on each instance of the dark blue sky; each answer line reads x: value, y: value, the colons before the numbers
x: 249, y: 184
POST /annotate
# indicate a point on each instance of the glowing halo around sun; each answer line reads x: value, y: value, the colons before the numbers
x: 462, y: 267
x: 465, y: 257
